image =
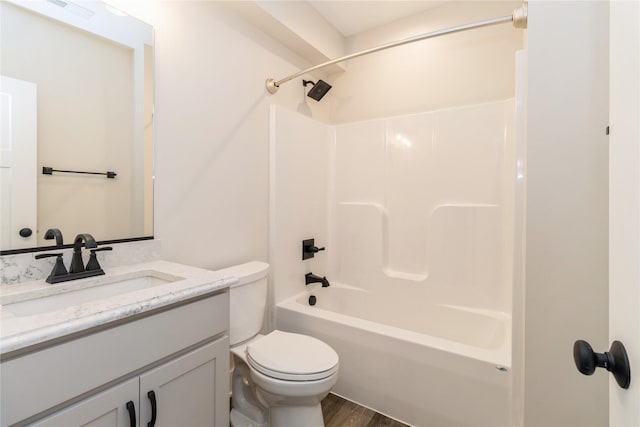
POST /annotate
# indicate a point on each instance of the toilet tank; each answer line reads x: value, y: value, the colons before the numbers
x: 247, y: 299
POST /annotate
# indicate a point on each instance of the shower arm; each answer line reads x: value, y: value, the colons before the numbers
x: 518, y: 18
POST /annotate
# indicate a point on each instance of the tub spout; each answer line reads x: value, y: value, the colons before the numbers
x: 310, y: 278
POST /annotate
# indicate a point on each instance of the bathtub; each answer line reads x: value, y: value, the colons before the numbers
x: 422, y: 364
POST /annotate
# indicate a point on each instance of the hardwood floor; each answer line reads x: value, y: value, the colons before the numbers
x: 339, y: 412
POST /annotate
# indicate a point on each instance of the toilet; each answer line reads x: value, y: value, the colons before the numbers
x: 278, y: 379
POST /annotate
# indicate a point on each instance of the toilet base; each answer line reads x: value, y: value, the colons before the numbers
x: 237, y: 419
x: 294, y: 416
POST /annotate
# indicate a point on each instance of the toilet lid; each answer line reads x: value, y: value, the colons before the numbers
x: 292, y: 357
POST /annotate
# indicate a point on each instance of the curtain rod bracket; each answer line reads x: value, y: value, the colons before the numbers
x: 272, y: 87
x: 520, y: 16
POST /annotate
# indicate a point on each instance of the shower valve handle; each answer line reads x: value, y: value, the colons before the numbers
x: 309, y: 248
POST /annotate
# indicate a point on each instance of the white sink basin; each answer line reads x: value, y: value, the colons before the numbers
x: 69, y: 294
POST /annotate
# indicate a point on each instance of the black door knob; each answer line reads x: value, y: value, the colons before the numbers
x: 614, y: 361
x: 25, y: 232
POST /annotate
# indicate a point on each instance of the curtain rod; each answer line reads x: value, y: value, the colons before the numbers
x: 518, y: 18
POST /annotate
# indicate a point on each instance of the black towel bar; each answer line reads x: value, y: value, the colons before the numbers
x: 49, y: 171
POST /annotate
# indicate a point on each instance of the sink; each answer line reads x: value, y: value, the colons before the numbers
x: 69, y: 294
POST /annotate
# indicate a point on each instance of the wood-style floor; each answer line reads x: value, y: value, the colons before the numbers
x: 339, y: 412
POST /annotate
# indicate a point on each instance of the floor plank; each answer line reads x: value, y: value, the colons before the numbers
x: 339, y: 412
x: 380, y: 420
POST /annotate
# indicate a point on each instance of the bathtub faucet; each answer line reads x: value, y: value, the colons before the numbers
x: 310, y: 278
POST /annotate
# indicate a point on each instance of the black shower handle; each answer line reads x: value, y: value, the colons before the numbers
x: 309, y: 248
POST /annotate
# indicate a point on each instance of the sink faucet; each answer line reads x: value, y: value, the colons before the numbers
x: 312, y: 278
x: 54, y: 233
x: 77, y: 269
x: 77, y: 266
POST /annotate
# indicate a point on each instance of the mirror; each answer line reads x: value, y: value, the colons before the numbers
x: 76, y: 102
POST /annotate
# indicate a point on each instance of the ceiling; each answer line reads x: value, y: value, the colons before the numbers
x: 355, y: 16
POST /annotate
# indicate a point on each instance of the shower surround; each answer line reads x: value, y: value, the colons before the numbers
x: 417, y: 215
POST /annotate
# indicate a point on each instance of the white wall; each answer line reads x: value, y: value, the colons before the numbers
x: 306, y: 23
x: 212, y: 115
x: 299, y: 199
x: 459, y: 69
x: 566, y: 250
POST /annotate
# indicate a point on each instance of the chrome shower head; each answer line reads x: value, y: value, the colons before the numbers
x: 319, y: 89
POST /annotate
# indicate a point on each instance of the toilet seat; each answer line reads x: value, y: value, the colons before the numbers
x: 292, y: 357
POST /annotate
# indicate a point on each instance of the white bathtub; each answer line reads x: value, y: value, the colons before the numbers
x: 425, y: 365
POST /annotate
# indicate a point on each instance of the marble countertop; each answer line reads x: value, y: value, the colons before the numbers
x: 18, y: 332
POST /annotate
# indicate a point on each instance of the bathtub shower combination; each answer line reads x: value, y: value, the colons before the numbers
x: 417, y: 215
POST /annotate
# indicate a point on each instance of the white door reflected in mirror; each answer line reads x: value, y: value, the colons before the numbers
x: 18, y: 175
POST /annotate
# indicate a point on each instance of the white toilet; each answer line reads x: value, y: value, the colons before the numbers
x: 278, y: 379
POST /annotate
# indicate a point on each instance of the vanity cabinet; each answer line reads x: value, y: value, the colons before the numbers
x: 105, y: 409
x: 186, y: 390
x: 180, y: 354
x: 181, y: 392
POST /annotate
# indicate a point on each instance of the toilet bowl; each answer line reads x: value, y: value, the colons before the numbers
x: 278, y: 379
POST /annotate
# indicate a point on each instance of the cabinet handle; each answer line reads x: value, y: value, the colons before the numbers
x: 132, y: 413
x: 154, y: 408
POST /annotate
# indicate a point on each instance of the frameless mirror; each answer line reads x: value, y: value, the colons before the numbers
x: 76, y: 123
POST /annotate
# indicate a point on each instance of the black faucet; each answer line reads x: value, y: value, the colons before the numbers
x: 59, y: 272
x: 54, y: 233
x: 77, y: 266
x: 310, y: 278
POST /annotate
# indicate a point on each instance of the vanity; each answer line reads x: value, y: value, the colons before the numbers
x: 144, y: 345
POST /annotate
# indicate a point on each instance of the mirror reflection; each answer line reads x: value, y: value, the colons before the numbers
x: 76, y: 102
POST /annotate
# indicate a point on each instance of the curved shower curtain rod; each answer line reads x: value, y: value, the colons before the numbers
x: 518, y: 18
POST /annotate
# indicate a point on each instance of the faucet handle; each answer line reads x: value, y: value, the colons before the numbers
x: 309, y: 248
x: 40, y: 256
x: 93, y: 263
x: 58, y: 268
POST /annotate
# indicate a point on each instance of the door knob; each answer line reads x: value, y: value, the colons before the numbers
x: 614, y: 361
x: 25, y: 232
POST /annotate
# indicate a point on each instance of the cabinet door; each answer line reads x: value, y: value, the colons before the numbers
x: 105, y: 409
x: 190, y: 391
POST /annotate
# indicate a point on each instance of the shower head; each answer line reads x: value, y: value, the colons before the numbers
x: 319, y: 89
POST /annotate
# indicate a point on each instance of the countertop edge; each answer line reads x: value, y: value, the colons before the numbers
x: 21, y: 341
